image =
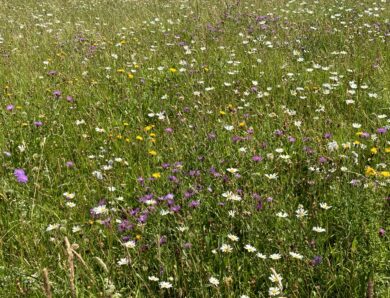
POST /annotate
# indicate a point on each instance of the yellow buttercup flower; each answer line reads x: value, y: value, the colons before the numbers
x: 152, y: 152
x: 387, y: 150
x: 370, y: 171
x: 385, y: 174
x: 139, y: 138
x: 156, y: 175
x: 173, y: 70
x: 374, y: 150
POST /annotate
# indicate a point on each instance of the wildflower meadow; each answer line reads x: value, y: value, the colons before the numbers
x: 188, y: 148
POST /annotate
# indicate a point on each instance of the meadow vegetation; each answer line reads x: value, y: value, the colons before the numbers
x: 194, y: 148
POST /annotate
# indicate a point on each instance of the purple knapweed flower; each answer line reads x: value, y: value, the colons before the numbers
x: 194, y: 204
x: 257, y: 158
x: 316, y: 261
x: 381, y: 130
x: 327, y: 135
x: 70, y: 98
x: 291, y: 139
x: 10, y: 107
x: 38, y: 123
x: 57, y: 93
x: 21, y: 176
x: 69, y: 164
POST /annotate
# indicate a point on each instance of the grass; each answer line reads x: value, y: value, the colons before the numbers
x: 133, y: 120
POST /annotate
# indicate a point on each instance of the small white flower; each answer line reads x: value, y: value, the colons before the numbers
x: 318, y: 229
x: 76, y: 229
x: 111, y: 188
x: 226, y: 248
x: 52, y: 227
x: 282, y: 214
x: 164, y: 212
x: 165, y: 285
x: 356, y: 125
x: 232, y: 213
x: 69, y: 195
x: 129, y: 244
x: 229, y: 127
x: 325, y: 206
x: 232, y: 170
x: 70, y: 204
x: 250, y: 248
x: 275, y: 256
x: 333, y: 146
x: 273, y: 176
x: 261, y: 256
x: 97, y: 175
x: 300, y: 212
x: 214, y: 281
x: 102, y: 209
x: 296, y: 255
x: 153, y: 278
x: 276, y: 278
x: 123, y: 261
x: 274, y: 291
x: 233, y: 238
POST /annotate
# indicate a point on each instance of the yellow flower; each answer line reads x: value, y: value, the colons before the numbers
x: 120, y: 70
x: 359, y: 133
x: 242, y: 124
x: 156, y: 175
x: 125, y: 124
x: 138, y: 237
x: 152, y: 134
x: 172, y: 70
x: 130, y: 75
x: 387, y: 150
x: 222, y: 113
x: 374, y: 150
x: 370, y: 171
x: 152, y: 152
x: 119, y: 137
x: 139, y: 138
x: 149, y: 127
x: 127, y: 140
x: 356, y: 143
x: 385, y: 174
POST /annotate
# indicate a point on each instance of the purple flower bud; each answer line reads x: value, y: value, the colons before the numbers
x: 10, y: 107
x: 382, y: 232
